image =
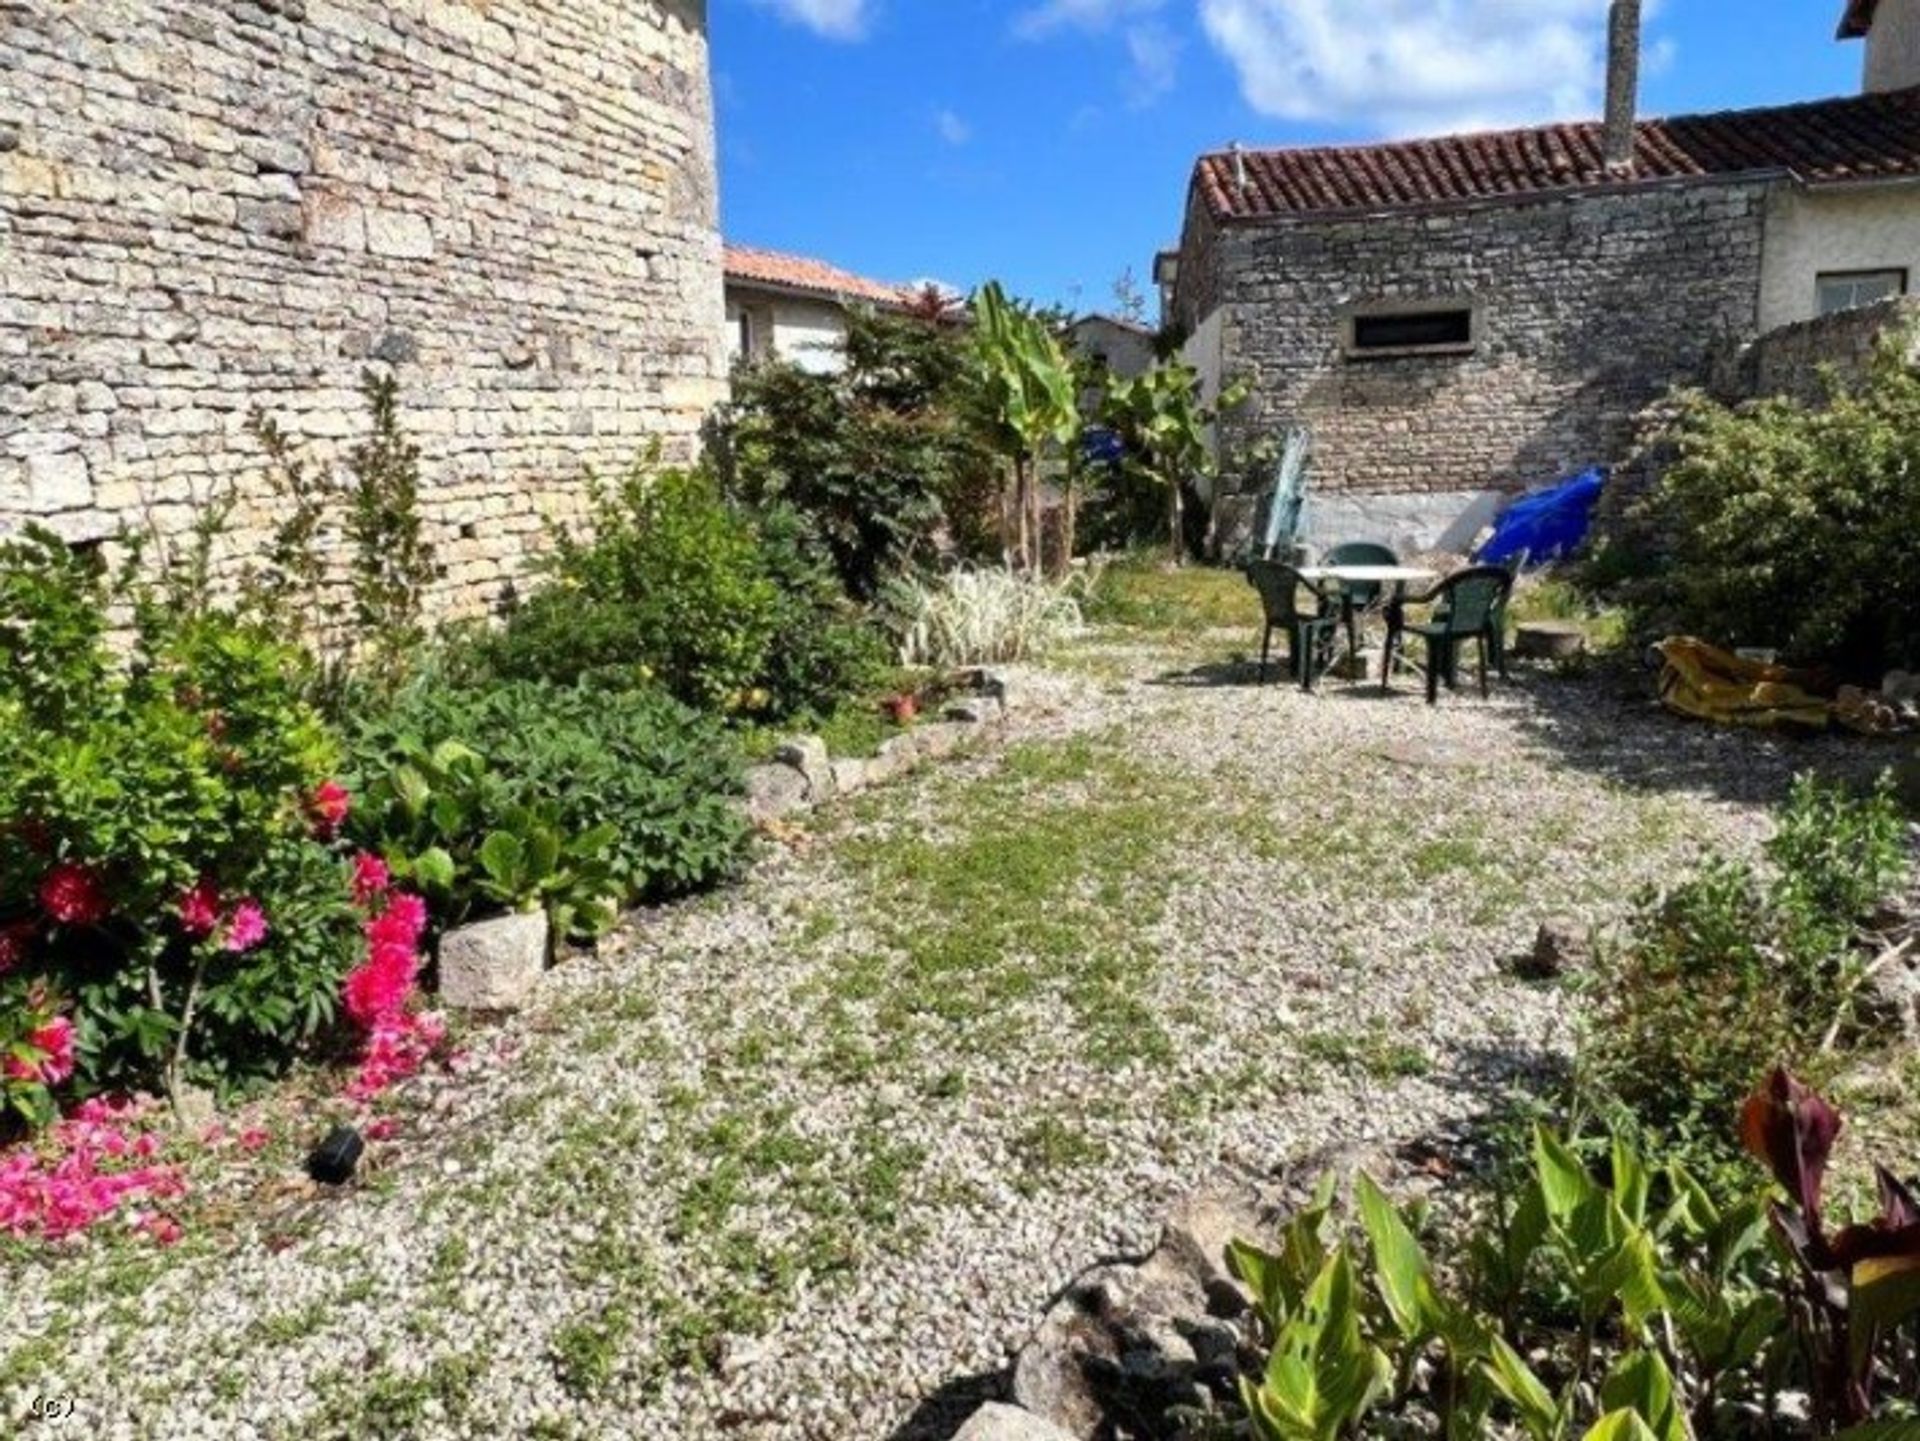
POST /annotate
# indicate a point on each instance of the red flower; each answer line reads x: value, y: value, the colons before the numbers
x: 15, y: 941
x: 246, y: 927
x: 54, y: 1042
x: 370, y: 878
x: 73, y: 896
x: 200, y: 909
x: 328, y: 806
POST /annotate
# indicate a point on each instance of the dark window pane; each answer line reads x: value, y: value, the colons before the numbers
x: 1426, y: 327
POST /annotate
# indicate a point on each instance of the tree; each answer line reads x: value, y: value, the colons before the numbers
x: 1027, y: 387
x: 1163, y: 423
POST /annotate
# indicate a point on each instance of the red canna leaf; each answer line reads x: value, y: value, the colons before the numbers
x: 1790, y: 1128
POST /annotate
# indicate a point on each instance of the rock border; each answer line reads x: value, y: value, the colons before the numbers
x: 802, y: 774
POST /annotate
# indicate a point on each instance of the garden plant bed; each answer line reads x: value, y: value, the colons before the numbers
x: 806, y: 1157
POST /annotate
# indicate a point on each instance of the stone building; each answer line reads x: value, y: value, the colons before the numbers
x: 795, y: 309
x: 1460, y: 318
x: 206, y: 208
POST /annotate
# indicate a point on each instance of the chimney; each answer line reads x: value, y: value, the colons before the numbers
x: 1239, y: 167
x: 1623, y: 83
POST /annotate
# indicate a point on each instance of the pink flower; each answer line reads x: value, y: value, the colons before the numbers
x: 381, y: 1128
x: 254, y: 1138
x: 53, y: 1041
x: 200, y: 909
x: 370, y: 878
x: 15, y: 941
x: 328, y: 806
x: 164, y: 1229
x: 246, y: 927
x: 73, y: 896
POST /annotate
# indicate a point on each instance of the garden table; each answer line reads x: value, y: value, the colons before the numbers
x: 1397, y: 576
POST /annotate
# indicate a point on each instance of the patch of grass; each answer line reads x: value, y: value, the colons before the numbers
x: 1374, y: 1052
x: 1140, y: 592
x: 1537, y: 598
x: 1052, y: 1144
x: 586, y: 1353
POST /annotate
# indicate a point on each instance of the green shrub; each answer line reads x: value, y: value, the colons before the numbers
x: 880, y: 458
x: 1731, y: 972
x: 730, y: 612
x: 195, y: 769
x: 1792, y: 526
x: 576, y: 758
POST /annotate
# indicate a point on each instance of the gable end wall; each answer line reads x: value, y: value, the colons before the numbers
x: 1589, y: 308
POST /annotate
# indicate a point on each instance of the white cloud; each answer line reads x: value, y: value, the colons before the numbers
x: 1052, y: 15
x: 1152, y: 47
x: 836, y: 19
x: 952, y: 128
x: 1403, y: 67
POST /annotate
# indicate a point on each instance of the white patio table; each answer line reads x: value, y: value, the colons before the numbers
x: 1397, y: 576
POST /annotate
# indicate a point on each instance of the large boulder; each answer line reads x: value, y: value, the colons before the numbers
x: 808, y: 755
x: 774, y: 791
x: 493, y: 965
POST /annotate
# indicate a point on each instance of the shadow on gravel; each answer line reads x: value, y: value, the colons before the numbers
x: 1236, y: 672
x: 1610, y: 726
x: 945, y: 1411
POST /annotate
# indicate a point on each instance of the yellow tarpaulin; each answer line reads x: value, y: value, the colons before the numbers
x: 1716, y: 685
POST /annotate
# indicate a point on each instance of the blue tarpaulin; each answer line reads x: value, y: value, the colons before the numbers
x: 1546, y: 525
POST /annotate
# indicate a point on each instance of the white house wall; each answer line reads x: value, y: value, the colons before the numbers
x: 1811, y: 233
x: 1893, y: 46
x: 810, y: 335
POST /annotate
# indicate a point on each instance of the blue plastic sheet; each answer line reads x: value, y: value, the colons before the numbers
x: 1546, y: 525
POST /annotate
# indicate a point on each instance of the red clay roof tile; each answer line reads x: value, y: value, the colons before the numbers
x: 1866, y: 137
x: 797, y: 272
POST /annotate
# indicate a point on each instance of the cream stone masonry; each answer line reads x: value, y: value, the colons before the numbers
x: 207, y: 208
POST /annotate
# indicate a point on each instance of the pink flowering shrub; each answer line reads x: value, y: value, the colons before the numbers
x: 379, y: 991
x: 173, y: 906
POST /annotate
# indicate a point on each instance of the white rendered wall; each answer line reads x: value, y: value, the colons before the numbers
x: 1810, y: 233
x: 1893, y: 46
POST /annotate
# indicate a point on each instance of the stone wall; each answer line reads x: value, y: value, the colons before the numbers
x: 1587, y: 309
x: 206, y: 208
x: 1795, y: 360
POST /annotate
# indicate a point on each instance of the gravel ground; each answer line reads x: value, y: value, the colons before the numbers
x: 808, y: 1158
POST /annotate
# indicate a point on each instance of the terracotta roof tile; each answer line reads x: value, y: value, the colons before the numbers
x: 797, y: 272
x: 1867, y: 137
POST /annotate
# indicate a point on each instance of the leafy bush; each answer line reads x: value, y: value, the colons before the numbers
x: 164, y: 833
x: 1791, y: 526
x: 445, y: 768
x: 1630, y: 1301
x: 880, y: 458
x: 974, y: 617
x: 1731, y: 973
x: 728, y: 611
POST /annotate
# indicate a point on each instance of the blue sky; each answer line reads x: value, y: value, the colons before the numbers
x: 1048, y: 142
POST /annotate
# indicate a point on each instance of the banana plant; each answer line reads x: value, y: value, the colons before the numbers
x: 1164, y: 424
x: 1323, y: 1374
x: 1027, y: 381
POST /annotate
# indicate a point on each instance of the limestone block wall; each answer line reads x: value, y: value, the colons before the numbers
x: 1795, y: 360
x: 206, y: 208
x: 1587, y: 308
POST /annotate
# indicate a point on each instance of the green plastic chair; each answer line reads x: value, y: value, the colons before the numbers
x: 1309, y: 632
x: 1359, y: 597
x: 1469, y: 604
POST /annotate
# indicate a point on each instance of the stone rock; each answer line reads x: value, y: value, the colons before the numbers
x: 399, y: 234
x: 195, y: 1108
x: 58, y: 482
x: 941, y: 738
x: 808, y: 755
x: 1549, y: 640
x: 493, y: 965
x: 1901, y: 686
x: 774, y: 791
x: 1890, y: 997
x: 849, y: 775
x: 897, y: 755
x: 997, y: 1421
x: 1200, y: 1228
x: 1562, y: 945
x: 973, y: 710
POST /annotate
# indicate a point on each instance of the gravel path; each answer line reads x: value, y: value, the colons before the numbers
x: 806, y: 1159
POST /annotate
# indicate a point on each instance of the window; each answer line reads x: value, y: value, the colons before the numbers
x: 1446, y: 329
x: 743, y: 336
x: 1846, y: 289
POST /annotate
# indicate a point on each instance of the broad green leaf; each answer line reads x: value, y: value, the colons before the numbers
x: 1400, y: 1270
x: 433, y: 871
x: 1564, y: 1182
x: 1631, y: 1183
x: 1620, y: 1426
x: 1513, y: 1378
x: 1641, y: 1383
x: 1882, y: 1431
x: 502, y: 856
